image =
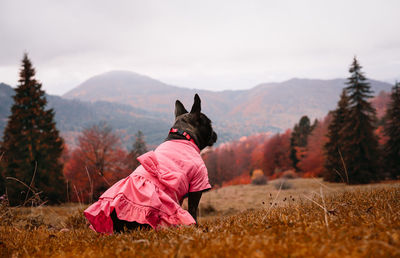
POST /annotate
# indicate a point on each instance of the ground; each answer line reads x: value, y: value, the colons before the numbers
x: 303, y: 217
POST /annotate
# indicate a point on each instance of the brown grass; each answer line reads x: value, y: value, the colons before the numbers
x: 344, y: 221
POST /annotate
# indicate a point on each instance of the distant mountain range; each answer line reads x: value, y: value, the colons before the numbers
x: 131, y: 102
x: 74, y: 115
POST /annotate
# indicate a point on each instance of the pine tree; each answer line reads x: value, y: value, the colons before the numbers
x: 2, y: 181
x: 360, y: 149
x: 392, y: 131
x: 333, y: 167
x: 300, y: 133
x: 138, y: 148
x: 32, y: 146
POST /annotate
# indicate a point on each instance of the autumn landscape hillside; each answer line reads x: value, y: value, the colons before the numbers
x: 325, y: 186
x: 130, y: 102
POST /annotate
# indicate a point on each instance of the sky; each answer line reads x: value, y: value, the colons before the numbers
x: 214, y: 45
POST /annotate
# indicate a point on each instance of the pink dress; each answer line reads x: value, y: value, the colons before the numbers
x: 152, y: 193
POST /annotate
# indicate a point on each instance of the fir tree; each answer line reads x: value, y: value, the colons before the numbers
x: 32, y: 146
x: 334, y: 170
x: 138, y: 148
x: 2, y: 181
x: 300, y: 133
x: 360, y: 148
x: 392, y: 131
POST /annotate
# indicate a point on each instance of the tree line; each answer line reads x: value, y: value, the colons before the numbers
x: 36, y: 166
x: 349, y: 145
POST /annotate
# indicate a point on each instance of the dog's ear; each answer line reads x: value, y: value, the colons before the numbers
x: 179, y: 109
x: 196, y: 108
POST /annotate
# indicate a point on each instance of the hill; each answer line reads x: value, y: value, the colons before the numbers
x: 130, y: 102
x: 266, y: 107
x: 74, y: 115
x: 6, y: 93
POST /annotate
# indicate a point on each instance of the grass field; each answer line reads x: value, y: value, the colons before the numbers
x: 310, y: 218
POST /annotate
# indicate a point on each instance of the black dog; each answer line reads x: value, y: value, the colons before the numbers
x: 195, y: 127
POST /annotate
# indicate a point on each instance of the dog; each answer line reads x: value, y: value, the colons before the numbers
x: 166, y: 176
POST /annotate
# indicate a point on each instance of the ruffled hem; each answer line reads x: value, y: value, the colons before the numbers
x: 98, y: 214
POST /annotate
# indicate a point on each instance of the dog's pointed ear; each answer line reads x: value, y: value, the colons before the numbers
x: 196, y: 108
x: 179, y: 109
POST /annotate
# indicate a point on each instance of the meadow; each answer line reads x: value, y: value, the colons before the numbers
x: 292, y: 218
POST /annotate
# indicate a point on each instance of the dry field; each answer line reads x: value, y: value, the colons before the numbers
x: 310, y: 218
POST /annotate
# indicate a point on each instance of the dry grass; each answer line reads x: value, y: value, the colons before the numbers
x: 344, y: 221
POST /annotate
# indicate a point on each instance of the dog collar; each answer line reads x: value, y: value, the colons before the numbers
x: 182, y: 133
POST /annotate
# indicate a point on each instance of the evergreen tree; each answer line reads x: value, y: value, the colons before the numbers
x: 32, y: 146
x: 333, y: 167
x: 360, y: 148
x: 392, y: 131
x: 2, y: 182
x: 300, y: 133
x: 138, y: 148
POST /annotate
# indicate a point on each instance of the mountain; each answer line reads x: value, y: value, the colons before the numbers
x: 266, y: 107
x: 152, y: 95
x: 130, y: 102
x: 72, y: 116
x: 6, y: 93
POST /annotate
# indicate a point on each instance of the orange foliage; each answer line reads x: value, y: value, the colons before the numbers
x: 96, y: 164
x: 382, y: 137
x: 231, y: 161
x: 313, y: 158
x: 277, y: 154
x: 240, y: 180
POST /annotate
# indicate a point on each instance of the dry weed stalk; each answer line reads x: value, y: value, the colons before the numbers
x: 344, y: 165
x: 90, y: 184
x: 32, y: 180
x: 323, y: 207
x: 273, y: 202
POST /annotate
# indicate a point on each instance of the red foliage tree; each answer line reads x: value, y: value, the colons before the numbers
x: 232, y: 162
x: 95, y: 164
x: 312, y: 161
x: 277, y: 154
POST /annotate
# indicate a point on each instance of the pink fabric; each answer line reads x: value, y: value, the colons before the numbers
x: 152, y: 193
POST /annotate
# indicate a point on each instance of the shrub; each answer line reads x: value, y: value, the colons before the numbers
x: 258, y: 177
x: 289, y: 174
x: 259, y: 180
x: 285, y: 184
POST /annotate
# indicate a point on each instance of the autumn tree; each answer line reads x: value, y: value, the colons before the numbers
x: 334, y: 169
x: 138, y: 148
x: 96, y: 163
x: 31, y: 144
x: 277, y: 154
x: 360, y: 145
x: 210, y: 159
x: 298, y: 140
x: 313, y: 160
x: 392, y: 131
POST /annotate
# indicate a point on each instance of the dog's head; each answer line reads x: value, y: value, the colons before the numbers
x: 195, y: 123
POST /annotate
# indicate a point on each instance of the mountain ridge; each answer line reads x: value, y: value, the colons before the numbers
x: 271, y: 106
x: 131, y: 102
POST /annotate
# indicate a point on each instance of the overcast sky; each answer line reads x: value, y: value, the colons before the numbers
x: 215, y: 45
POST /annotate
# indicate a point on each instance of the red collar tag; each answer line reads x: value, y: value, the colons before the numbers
x: 182, y: 133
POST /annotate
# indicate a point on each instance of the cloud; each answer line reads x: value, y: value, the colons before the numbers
x: 220, y: 44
